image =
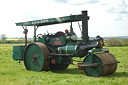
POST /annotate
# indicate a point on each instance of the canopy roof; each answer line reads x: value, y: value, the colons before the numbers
x: 51, y: 21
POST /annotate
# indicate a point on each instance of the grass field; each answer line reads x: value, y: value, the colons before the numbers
x: 14, y: 73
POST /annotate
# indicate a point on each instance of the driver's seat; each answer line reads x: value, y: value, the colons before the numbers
x: 58, y: 34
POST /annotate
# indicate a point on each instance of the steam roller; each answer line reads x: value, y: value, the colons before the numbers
x: 57, y: 50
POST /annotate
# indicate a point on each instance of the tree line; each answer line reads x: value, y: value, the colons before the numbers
x: 5, y: 40
x: 115, y: 42
x: 111, y: 42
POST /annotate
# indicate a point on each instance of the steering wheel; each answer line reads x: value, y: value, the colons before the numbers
x: 39, y: 36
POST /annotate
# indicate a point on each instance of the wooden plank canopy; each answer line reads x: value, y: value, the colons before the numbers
x: 51, y: 21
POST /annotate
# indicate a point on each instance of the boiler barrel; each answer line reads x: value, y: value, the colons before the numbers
x: 68, y: 49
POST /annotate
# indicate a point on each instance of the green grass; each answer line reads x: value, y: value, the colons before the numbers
x: 14, y: 73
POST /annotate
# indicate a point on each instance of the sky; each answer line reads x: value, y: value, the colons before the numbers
x: 107, y: 17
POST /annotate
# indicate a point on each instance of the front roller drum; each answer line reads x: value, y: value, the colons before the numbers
x: 107, y: 65
x: 36, y: 57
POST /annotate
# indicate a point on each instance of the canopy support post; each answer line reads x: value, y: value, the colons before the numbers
x: 35, y: 28
x: 25, y: 32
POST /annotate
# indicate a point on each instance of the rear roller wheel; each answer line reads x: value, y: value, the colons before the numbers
x: 36, y: 57
x: 108, y: 61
